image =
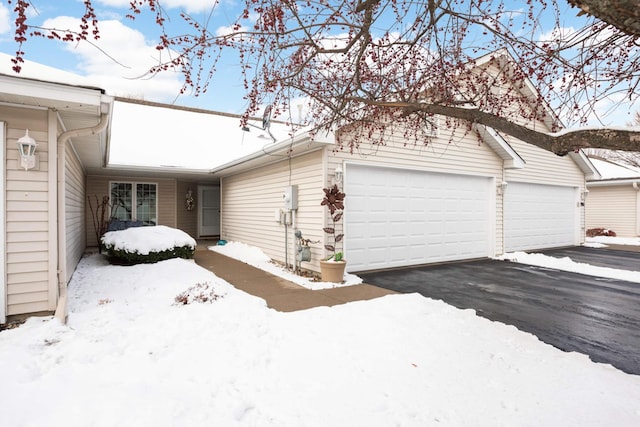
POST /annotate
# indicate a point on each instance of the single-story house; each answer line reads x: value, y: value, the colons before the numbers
x: 465, y: 195
x: 614, y: 199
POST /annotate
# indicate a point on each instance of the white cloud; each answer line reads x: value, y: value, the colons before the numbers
x: 5, y: 20
x: 188, y: 5
x: 119, y: 60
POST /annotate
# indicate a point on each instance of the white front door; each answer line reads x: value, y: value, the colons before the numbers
x: 208, y: 211
x: 3, y: 279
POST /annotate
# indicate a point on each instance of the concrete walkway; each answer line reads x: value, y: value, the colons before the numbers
x: 280, y: 294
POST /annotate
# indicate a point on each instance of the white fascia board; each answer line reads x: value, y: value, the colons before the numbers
x: 585, y: 165
x: 280, y: 147
x: 51, y: 91
x: 501, y: 147
x: 613, y: 182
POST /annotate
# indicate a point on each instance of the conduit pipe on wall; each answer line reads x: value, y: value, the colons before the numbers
x: 61, y: 309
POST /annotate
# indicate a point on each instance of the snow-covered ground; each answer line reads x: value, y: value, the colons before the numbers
x: 131, y: 355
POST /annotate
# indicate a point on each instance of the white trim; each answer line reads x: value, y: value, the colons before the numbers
x: 585, y: 165
x: 411, y: 168
x: 52, y: 141
x: 613, y: 182
x: 134, y: 184
x: 501, y: 147
x: 58, y: 92
x: 3, y: 237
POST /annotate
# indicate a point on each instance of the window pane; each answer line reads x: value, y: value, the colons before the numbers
x: 146, y: 203
x: 121, y: 201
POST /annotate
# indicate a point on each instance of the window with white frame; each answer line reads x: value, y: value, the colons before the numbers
x: 134, y: 201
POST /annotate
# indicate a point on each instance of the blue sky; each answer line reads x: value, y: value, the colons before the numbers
x: 131, y: 44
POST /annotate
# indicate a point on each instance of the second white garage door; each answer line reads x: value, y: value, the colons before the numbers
x: 398, y: 217
x: 539, y: 216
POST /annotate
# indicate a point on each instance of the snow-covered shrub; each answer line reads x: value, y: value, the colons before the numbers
x: 144, y: 245
x: 595, y: 232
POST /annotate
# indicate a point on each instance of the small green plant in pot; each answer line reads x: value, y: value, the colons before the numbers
x: 332, y: 269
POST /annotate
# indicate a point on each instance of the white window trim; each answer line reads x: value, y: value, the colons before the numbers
x: 133, y: 195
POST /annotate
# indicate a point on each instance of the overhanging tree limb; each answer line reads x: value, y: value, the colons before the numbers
x: 558, y: 143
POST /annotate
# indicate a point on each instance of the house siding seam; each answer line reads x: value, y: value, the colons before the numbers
x: 27, y: 215
x: 613, y: 207
x: 249, y: 201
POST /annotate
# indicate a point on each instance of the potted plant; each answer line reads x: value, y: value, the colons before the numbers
x: 332, y: 269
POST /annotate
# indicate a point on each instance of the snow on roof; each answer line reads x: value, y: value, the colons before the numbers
x: 159, y: 135
x: 156, y: 135
x: 36, y: 71
x: 610, y: 170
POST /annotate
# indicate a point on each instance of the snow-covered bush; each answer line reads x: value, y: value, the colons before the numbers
x: 144, y: 245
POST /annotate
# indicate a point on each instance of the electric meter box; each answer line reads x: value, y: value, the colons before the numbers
x: 290, y: 197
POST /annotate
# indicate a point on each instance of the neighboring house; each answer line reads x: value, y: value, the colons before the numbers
x: 614, y: 200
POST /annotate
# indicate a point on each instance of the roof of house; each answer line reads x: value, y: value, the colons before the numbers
x: 161, y: 136
x: 149, y: 137
x: 613, y: 173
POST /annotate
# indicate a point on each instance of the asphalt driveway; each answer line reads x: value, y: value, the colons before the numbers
x: 595, y: 316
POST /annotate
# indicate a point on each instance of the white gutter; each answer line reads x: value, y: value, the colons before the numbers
x: 614, y: 181
x: 284, y: 145
x: 61, y: 309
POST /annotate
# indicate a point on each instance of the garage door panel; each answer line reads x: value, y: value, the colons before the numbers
x: 539, y: 216
x: 424, y: 217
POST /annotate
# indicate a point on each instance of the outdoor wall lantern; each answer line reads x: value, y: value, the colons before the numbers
x: 501, y: 188
x: 338, y: 175
x: 27, y: 149
x: 583, y: 195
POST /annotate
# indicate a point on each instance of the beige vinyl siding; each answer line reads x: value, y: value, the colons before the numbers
x: 544, y: 167
x: 3, y: 255
x: 249, y: 200
x: 74, y: 206
x: 458, y: 152
x: 613, y: 207
x: 98, y: 186
x: 27, y: 216
x: 186, y: 221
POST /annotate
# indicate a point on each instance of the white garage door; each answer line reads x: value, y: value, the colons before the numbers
x: 397, y: 217
x: 539, y: 216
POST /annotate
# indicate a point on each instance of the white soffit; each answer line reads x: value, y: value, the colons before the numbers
x: 585, y: 165
x: 512, y: 159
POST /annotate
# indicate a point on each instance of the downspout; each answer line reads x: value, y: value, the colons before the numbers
x: 61, y: 309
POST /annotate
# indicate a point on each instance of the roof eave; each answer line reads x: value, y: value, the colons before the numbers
x: 283, y: 148
x: 501, y: 147
x: 585, y: 165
